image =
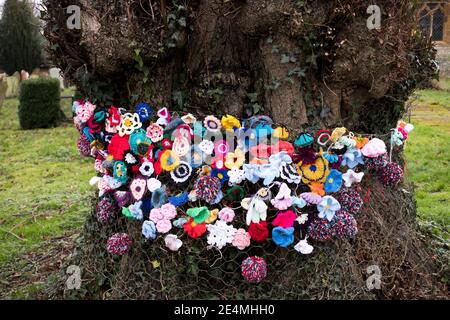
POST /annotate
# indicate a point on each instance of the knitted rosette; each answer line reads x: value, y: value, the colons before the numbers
x: 254, y: 269
x: 119, y: 244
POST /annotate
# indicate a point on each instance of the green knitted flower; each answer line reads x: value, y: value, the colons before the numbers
x: 198, y: 214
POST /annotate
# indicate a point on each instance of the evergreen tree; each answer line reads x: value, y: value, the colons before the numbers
x: 20, y: 45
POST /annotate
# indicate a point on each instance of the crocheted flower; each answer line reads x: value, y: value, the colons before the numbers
x: 331, y: 158
x: 153, y: 184
x: 302, y: 219
x: 342, y: 226
x: 374, y: 148
x: 280, y: 133
x: 220, y: 149
x: 85, y: 111
x: 229, y: 122
x: 235, y: 159
x: 128, y: 124
x: 236, y: 176
x: 333, y: 182
x: 197, y: 158
x: 180, y: 222
x: 179, y: 200
x: 352, y: 158
x: 212, y: 124
x: 360, y: 142
x: 123, y: 198
x: 144, y: 111
x: 337, y: 133
x: 304, y: 247
x: 169, y: 160
x: 298, y: 202
x: 241, y: 239
x: 327, y: 207
x: 376, y: 163
x: 213, y: 215
x: 172, y: 242
x: 118, y: 146
x: 254, y: 269
x: 283, y: 237
x: 146, y: 169
x: 193, y: 229
x: 84, y: 146
x: 221, y: 174
x: 351, y: 177
x: 347, y: 142
x: 206, y: 146
x: 198, y: 214
x: 134, y: 211
x: 182, y: 172
x: 105, y: 209
x: 139, y: 142
x: 315, y: 172
x: 391, y: 174
x: 189, y: 118
x: 169, y: 211
x: 138, y: 188
x: 207, y: 188
x: 311, y: 197
x: 155, y: 132
x: 303, y: 140
x: 119, y: 243
x: 289, y: 174
x: 163, y: 226
x: 149, y: 229
x: 226, y: 214
x: 181, y: 146
x: 220, y: 234
x: 120, y: 171
x: 256, y: 211
x: 130, y: 159
x: 283, y: 199
x: 259, y: 232
x: 159, y: 197
x: 306, y: 155
x: 285, y: 219
x: 397, y: 138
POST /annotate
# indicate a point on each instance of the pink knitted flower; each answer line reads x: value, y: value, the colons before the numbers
x: 226, y: 214
x: 241, y: 239
x: 163, y: 226
x: 169, y: 211
x: 156, y: 215
x: 285, y: 219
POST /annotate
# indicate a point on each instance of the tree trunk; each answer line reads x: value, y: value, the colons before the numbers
x: 309, y: 65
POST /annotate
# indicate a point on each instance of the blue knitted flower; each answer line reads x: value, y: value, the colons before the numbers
x: 283, y: 237
x: 333, y: 182
x: 149, y: 229
x: 352, y: 157
x: 144, y: 111
x: 179, y: 200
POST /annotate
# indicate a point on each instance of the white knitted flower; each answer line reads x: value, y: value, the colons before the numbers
x: 128, y: 123
x: 220, y: 234
x: 206, y: 146
x: 236, y: 175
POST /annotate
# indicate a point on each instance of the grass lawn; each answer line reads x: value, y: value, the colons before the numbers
x: 428, y: 159
x: 44, y: 190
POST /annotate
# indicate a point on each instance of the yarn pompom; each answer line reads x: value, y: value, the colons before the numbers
x: 254, y: 269
x: 105, y: 209
x: 390, y: 175
x: 350, y: 200
x: 84, y: 146
x: 343, y: 225
x: 207, y: 188
x: 119, y: 243
x: 376, y: 163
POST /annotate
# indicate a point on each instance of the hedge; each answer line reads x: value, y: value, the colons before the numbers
x: 39, y: 103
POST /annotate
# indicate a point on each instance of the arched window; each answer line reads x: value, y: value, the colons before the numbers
x: 432, y: 20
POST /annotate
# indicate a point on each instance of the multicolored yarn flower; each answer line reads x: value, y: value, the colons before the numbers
x: 342, y: 226
x: 254, y: 269
x: 212, y: 124
x: 315, y: 172
x: 105, y: 209
x: 194, y: 230
x: 376, y: 163
x: 144, y: 111
x: 119, y: 243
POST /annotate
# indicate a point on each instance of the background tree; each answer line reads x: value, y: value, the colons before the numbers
x: 308, y: 64
x: 19, y: 37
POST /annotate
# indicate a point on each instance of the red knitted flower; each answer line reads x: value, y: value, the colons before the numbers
x: 285, y: 219
x: 193, y: 229
x: 118, y: 146
x: 259, y: 231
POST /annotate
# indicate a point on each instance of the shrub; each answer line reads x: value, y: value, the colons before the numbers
x: 39, y: 103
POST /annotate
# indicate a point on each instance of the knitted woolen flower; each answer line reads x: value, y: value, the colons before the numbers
x: 283, y: 237
x: 350, y: 200
x: 220, y: 234
x: 391, y: 174
x: 198, y: 214
x: 259, y: 232
x: 105, y: 209
x: 254, y: 269
x: 207, y: 188
x: 285, y: 219
x: 193, y: 229
x: 241, y: 239
x: 226, y: 214
x: 181, y: 173
x: 119, y: 243
x: 179, y: 200
x: 149, y: 229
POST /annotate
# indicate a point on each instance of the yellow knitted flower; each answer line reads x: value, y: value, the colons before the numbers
x: 281, y: 133
x: 213, y: 214
x: 337, y: 133
x: 169, y: 160
x: 315, y: 172
x: 235, y: 159
x: 230, y: 122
